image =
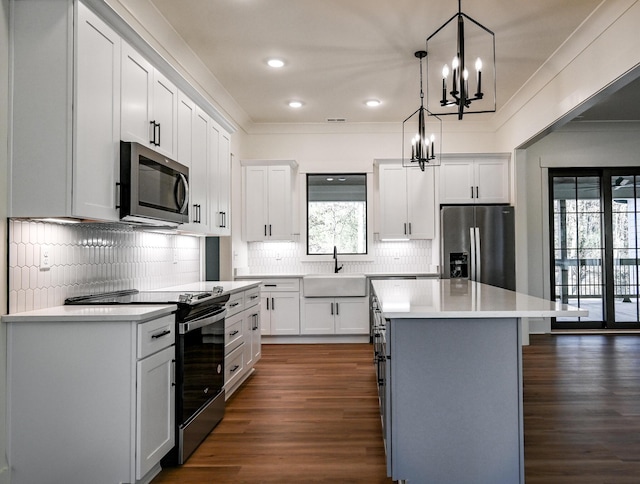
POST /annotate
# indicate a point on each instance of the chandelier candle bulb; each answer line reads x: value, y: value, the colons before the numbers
x: 479, y: 77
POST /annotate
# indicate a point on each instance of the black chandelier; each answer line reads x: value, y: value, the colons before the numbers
x: 422, y: 141
x: 456, y: 91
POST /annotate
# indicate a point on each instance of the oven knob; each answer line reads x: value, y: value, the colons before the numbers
x: 206, y: 390
x: 219, y: 369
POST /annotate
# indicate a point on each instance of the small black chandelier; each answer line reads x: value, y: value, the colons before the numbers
x: 456, y: 91
x: 423, y: 152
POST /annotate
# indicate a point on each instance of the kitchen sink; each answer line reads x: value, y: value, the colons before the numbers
x: 334, y: 285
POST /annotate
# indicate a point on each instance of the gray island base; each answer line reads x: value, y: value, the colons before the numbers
x: 452, y: 387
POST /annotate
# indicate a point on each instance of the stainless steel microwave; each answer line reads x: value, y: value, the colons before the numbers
x: 153, y: 188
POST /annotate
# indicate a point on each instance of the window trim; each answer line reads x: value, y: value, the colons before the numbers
x: 350, y: 257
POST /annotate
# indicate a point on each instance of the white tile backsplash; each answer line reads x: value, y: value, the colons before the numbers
x: 91, y: 258
x: 411, y: 256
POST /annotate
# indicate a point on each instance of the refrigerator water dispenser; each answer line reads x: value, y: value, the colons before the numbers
x: 458, y: 265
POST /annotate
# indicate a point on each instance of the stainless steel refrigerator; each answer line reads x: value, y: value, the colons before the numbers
x: 478, y: 243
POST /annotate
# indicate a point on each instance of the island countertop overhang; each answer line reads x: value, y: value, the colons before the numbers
x: 461, y: 298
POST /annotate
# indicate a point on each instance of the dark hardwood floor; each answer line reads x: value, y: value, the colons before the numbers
x: 582, y: 409
x: 310, y: 414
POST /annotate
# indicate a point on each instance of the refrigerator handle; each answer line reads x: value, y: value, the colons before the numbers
x: 472, y: 261
x: 478, y: 258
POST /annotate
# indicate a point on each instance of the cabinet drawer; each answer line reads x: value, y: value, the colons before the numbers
x: 281, y: 285
x: 156, y: 334
x: 233, y: 366
x: 233, y: 334
x: 235, y: 304
x: 251, y: 297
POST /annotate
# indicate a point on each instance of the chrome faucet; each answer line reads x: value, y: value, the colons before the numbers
x: 336, y: 269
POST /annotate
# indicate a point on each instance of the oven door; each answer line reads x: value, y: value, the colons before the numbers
x: 200, y: 364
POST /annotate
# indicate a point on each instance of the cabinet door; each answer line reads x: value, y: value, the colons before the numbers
x: 252, y: 345
x: 255, y: 211
x: 165, y: 115
x: 393, y: 201
x: 198, y: 172
x: 279, y: 203
x: 265, y: 313
x: 97, y: 150
x: 492, y: 179
x: 155, y: 409
x: 318, y: 316
x: 352, y: 315
x: 285, y: 312
x: 256, y: 334
x: 421, y: 203
x: 186, y: 115
x: 224, y: 184
x: 136, y: 97
x: 457, y: 182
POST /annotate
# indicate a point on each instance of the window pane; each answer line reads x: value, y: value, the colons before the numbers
x: 337, y: 213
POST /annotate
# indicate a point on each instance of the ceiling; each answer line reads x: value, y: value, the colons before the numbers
x: 339, y: 53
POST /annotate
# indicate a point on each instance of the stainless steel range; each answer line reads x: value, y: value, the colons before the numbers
x: 200, y: 392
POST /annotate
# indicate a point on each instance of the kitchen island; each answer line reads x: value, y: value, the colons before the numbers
x: 450, y: 372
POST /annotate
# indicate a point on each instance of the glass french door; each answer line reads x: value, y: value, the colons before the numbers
x: 594, y: 238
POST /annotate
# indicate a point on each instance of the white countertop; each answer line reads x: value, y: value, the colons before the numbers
x: 124, y: 312
x: 227, y: 286
x: 460, y: 298
x: 367, y: 274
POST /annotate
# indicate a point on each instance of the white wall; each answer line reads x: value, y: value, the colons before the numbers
x: 4, y: 118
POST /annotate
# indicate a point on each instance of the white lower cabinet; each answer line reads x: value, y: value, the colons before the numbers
x: 340, y: 315
x: 90, y: 401
x: 242, y: 342
x: 280, y: 307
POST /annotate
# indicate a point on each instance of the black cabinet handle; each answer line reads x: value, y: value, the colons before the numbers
x: 234, y: 368
x: 233, y: 333
x: 234, y: 304
x: 471, y: 192
x: 331, y: 309
x: 267, y: 304
x: 337, y: 309
x: 160, y: 335
x: 270, y: 285
x: 273, y: 304
x: 265, y: 230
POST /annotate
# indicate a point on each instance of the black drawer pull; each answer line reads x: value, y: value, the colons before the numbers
x: 270, y: 285
x: 233, y: 333
x: 160, y: 335
x: 233, y: 305
x: 234, y: 368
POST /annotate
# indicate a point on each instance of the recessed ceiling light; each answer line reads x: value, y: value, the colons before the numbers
x: 295, y: 104
x: 372, y: 103
x: 275, y: 63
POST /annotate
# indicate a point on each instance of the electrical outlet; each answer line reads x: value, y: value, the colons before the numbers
x: 45, y: 258
x: 278, y: 256
x: 175, y: 256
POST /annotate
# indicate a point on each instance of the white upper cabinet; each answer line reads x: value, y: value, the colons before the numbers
x: 209, y: 161
x: 474, y: 180
x: 407, y: 202
x: 66, y: 113
x: 149, y: 104
x: 96, y: 167
x: 268, y: 199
